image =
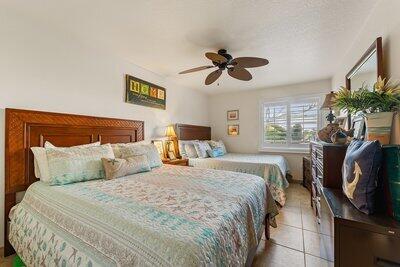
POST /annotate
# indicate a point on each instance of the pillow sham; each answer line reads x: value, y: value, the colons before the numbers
x: 360, y: 173
x: 40, y: 156
x: 190, y: 151
x: 115, y: 168
x: 182, y: 147
x: 201, y: 149
x: 215, y: 144
x: 150, y: 150
x: 47, y: 144
x: 215, y: 152
x: 77, y: 164
x: 117, y: 147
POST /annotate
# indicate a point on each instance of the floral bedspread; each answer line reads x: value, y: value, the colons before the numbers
x: 171, y: 216
x: 272, y: 168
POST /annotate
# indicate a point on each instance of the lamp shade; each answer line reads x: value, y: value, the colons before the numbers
x: 329, y: 100
x: 170, y: 132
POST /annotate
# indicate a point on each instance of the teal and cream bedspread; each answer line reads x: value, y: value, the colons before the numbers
x: 171, y: 216
x: 273, y: 168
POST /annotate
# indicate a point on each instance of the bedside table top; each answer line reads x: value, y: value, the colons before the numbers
x: 176, y: 161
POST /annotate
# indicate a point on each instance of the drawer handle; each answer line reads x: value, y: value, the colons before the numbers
x: 391, y: 232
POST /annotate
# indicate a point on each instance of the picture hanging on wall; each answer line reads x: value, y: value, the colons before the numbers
x: 233, y: 129
x: 232, y: 115
x: 143, y: 93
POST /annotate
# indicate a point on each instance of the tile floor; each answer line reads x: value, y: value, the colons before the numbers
x: 294, y: 243
x: 296, y: 240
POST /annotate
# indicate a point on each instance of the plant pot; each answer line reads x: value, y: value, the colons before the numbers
x: 379, y: 126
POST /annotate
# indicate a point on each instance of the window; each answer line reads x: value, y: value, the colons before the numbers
x: 289, y: 124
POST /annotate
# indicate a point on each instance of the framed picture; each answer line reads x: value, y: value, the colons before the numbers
x: 341, y: 121
x: 160, y: 147
x: 143, y: 93
x: 171, y: 155
x: 359, y: 127
x: 233, y: 129
x: 232, y: 115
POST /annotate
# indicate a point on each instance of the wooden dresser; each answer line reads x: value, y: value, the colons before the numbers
x: 348, y: 236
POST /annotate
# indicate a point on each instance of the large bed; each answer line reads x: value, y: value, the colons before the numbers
x: 170, y: 216
x: 272, y: 168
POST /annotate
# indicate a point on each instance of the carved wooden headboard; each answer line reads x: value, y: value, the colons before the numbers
x: 192, y: 132
x: 25, y: 129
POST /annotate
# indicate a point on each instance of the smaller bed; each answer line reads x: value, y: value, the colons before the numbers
x: 273, y: 168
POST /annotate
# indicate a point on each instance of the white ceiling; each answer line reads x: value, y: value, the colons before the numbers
x: 303, y: 39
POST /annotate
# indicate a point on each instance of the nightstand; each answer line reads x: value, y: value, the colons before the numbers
x: 180, y: 162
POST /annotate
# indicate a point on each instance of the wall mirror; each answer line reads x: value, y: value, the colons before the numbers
x: 367, y: 69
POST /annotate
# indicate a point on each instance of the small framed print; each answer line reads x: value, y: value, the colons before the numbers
x: 171, y: 155
x: 232, y: 115
x: 233, y: 129
x: 359, y: 127
x: 160, y: 147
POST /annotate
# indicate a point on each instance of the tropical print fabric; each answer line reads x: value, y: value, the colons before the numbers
x: 272, y: 168
x: 76, y: 164
x: 171, y: 216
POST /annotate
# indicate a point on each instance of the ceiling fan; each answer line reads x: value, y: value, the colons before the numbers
x: 236, y: 66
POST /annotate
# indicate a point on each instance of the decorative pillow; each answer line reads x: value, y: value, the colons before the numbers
x: 150, y: 150
x: 77, y: 164
x: 40, y: 155
x: 115, y: 168
x: 201, y: 149
x: 360, y: 173
x: 47, y: 144
x: 190, y: 151
x: 219, y: 143
x: 215, y: 152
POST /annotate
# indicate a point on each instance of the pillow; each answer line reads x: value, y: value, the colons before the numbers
x: 117, y: 147
x: 40, y: 155
x: 360, y: 173
x: 47, y: 144
x: 181, y: 146
x: 115, y: 168
x: 150, y: 150
x: 77, y: 164
x: 219, y: 143
x: 215, y: 152
x: 201, y: 149
x: 191, y: 151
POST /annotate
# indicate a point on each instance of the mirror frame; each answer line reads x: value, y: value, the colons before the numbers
x: 376, y: 46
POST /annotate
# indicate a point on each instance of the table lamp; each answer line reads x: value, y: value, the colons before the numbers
x: 328, y: 104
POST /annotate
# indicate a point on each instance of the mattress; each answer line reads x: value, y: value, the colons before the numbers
x: 171, y: 216
x: 273, y: 168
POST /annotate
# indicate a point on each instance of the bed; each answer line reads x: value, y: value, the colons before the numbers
x: 273, y: 168
x: 171, y: 216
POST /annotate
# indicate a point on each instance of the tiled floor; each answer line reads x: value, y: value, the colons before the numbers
x: 294, y: 243
x: 296, y: 240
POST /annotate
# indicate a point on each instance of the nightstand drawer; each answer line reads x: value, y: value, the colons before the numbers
x: 179, y: 162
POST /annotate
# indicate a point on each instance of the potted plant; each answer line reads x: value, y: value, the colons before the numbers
x: 378, y: 106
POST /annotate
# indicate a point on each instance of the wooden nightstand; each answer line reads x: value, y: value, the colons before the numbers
x: 180, y: 162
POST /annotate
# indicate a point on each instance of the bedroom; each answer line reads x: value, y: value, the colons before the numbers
x: 72, y: 57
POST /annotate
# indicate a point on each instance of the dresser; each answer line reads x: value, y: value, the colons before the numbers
x: 348, y: 236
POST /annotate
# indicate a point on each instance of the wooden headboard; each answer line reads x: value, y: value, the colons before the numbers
x: 25, y: 129
x: 192, y: 132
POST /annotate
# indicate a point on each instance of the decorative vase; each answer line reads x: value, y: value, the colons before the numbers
x: 379, y: 126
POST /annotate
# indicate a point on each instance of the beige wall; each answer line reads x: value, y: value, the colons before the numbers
x: 384, y: 21
x: 46, y: 69
x: 248, y: 104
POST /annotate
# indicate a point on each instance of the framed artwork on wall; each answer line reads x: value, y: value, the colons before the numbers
x: 143, y: 93
x: 232, y: 115
x: 233, y: 129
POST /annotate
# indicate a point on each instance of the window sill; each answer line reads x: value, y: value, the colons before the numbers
x: 297, y: 150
